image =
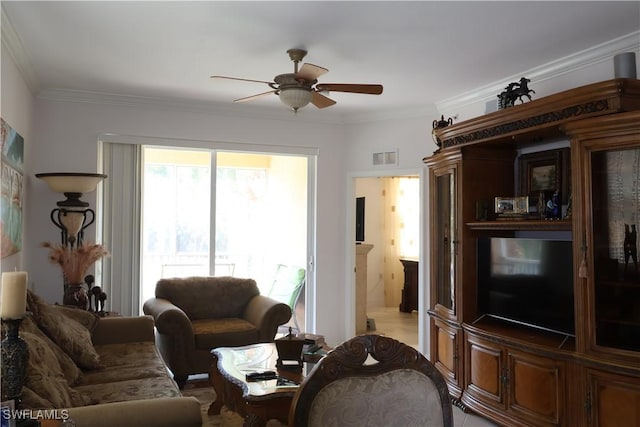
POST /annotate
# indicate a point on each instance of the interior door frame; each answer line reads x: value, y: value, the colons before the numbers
x: 423, y: 271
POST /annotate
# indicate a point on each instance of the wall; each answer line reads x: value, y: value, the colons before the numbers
x: 17, y: 109
x: 411, y: 136
x: 66, y: 137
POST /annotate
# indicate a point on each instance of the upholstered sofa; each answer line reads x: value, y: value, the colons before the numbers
x: 197, y: 314
x: 100, y: 371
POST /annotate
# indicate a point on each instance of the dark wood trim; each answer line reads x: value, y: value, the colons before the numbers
x: 514, y: 225
x: 544, y: 116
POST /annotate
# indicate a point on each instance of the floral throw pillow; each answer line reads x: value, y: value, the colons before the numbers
x: 44, y: 375
x: 70, y: 335
x: 68, y: 366
x: 88, y: 319
x: 31, y: 400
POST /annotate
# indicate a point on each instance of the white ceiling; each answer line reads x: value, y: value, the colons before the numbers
x: 421, y: 51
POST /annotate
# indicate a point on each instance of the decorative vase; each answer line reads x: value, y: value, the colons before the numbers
x: 15, y: 356
x: 440, y: 124
x: 75, y: 295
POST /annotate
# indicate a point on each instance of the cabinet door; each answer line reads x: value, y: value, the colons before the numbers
x: 612, y: 400
x: 615, y: 213
x: 535, y: 391
x: 445, y: 343
x: 485, y: 373
x: 444, y: 232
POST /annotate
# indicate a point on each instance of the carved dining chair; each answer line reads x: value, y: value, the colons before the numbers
x: 372, y: 380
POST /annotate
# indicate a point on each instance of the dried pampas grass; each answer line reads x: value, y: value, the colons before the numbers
x: 75, y: 261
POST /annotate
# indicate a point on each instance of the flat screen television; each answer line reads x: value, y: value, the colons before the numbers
x: 527, y: 281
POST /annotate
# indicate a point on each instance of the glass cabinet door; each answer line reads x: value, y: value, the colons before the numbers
x: 445, y: 239
x: 615, y: 210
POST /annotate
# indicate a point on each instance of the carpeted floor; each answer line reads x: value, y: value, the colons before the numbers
x: 201, y: 390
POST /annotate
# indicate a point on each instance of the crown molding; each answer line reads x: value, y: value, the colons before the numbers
x: 12, y: 43
x: 204, y: 107
x: 574, y: 62
x: 188, y: 106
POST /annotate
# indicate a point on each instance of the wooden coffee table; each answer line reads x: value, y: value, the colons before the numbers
x: 258, y: 401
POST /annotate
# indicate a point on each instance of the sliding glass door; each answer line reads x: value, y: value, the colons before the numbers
x: 261, y: 212
x: 254, y: 208
x: 176, y: 196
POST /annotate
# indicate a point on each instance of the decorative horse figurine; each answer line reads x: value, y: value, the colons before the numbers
x: 522, y: 90
x: 514, y: 91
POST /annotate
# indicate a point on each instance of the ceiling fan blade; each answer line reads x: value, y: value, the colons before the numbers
x: 321, y: 101
x: 249, y: 98
x: 243, y: 80
x: 354, y: 88
x: 310, y: 72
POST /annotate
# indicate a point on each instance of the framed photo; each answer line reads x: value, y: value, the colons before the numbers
x: 546, y: 172
x: 7, y: 411
x: 512, y: 205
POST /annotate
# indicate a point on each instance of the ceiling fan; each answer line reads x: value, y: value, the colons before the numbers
x: 299, y: 88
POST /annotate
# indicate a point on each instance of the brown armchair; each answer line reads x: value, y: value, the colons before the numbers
x: 398, y: 387
x: 197, y: 314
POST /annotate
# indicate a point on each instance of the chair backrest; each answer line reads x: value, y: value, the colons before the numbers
x: 372, y: 380
x: 208, y: 297
x: 287, y: 284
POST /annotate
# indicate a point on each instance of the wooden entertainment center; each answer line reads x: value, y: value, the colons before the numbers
x: 518, y: 374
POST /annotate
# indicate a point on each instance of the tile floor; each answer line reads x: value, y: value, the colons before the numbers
x: 391, y: 322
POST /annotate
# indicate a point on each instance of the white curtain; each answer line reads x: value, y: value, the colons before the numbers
x: 120, y: 226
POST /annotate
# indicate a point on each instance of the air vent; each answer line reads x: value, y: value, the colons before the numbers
x: 385, y: 158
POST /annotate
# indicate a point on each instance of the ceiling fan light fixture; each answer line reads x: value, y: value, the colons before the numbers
x: 301, y: 87
x: 295, y: 97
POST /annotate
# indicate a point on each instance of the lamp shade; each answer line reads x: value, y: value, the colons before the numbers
x: 295, y: 97
x: 71, y: 182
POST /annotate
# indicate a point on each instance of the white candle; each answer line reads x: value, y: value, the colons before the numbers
x: 13, y: 297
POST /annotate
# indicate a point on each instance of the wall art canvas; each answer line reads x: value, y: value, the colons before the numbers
x: 12, y: 145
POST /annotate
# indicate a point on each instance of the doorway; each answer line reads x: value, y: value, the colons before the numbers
x: 392, y: 212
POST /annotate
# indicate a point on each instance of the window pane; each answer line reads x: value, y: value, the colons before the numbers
x: 241, y: 198
x: 176, y: 212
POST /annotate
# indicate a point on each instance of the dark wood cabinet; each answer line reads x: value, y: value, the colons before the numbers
x: 523, y: 388
x: 606, y: 158
x: 535, y: 388
x: 485, y: 373
x: 519, y: 374
x: 446, y: 347
x: 409, y: 300
x: 612, y: 400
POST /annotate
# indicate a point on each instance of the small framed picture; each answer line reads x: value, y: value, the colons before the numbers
x: 7, y: 414
x: 512, y: 205
x: 545, y: 172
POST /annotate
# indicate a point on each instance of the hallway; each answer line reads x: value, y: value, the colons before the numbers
x: 391, y: 322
